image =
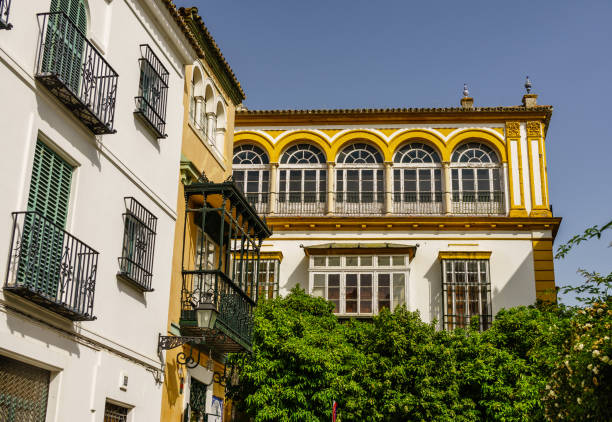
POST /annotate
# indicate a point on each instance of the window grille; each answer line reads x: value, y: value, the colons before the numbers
x: 152, y: 91
x: 466, y: 291
x: 197, y: 399
x: 23, y: 391
x: 5, y: 8
x: 360, y: 285
x: 115, y: 413
x: 136, y: 261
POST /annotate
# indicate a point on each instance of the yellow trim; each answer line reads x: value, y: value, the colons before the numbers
x: 302, y: 136
x: 278, y: 239
x: 361, y: 135
x: 262, y: 255
x: 463, y: 255
x: 254, y: 138
x: 496, y: 142
x: 416, y: 135
x: 463, y: 244
x: 535, y: 135
x: 516, y: 210
x: 544, y: 270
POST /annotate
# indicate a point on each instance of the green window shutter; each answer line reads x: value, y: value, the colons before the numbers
x: 75, y: 9
x: 50, y: 185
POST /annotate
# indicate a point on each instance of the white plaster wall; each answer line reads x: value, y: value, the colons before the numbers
x: 108, y: 168
x: 511, y: 263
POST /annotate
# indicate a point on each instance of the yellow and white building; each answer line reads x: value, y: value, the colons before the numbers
x: 445, y: 210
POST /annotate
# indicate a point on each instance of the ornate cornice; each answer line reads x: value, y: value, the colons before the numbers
x: 513, y: 130
x: 533, y: 129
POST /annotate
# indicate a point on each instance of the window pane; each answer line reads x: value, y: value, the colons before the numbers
x: 333, y: 261
x: 351, y: 293
x: 399, y: 261
x: 399, y: 290
x: 352, y: 261
x: 318, y: 285
x: 319, y: 261
x: 384, y: 291
x: 384, y: 261
x: 333, y: 290
x: 365, y: 294
x: 365, y: 261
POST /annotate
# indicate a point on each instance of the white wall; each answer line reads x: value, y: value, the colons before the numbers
x: 87, y: 358
x: 511, y: 262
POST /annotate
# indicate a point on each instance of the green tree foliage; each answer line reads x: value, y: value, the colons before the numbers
x: 538, y: 363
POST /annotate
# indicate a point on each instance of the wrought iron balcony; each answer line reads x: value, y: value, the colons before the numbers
x: 75, y: 72
x: 375, y: 203
x: 478, y: 203
x: 152, y: 91
x: 49, y: 266
x: 234, y: 307
x: 222, y: 238
x: 5, y: 8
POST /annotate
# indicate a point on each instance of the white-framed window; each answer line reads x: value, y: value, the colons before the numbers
x: 417, y: 180
x: 476, y: 180
x: 360, y: 180
x: 360, y: 284
x: 251, y: 173
x: 268, y: 278
x: 207, y: 252
x: 302, y: 180
x: 466, y: 288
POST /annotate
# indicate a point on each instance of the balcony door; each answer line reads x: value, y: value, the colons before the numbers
x: 43, y: 231
x: 65, y: 42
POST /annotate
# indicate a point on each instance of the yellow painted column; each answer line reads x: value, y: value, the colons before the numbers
x: 539, y: 205
x: 447, y: 188
x: 331, y: 181
x: 273, y: 188
x: 388, y: 187
x: 515, y: 170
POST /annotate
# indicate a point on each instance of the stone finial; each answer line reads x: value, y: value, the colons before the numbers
x: 466, y: 101
x: 529, y: 99
x: 528, y: 85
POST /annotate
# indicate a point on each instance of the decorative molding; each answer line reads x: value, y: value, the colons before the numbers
x: 464, y: 255
x: 533, y: 129
x: 513, y: 129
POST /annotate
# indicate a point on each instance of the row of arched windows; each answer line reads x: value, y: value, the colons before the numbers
x: 206, y: 111
x: 416, y: 178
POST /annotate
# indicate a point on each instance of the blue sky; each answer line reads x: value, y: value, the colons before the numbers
x: 354, y: 53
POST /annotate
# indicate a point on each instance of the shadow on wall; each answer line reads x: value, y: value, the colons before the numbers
x: 26, y: 328
x: 146, y: 132
x: 434, y: 277
x: 85, y: 144
x: 299, y: 276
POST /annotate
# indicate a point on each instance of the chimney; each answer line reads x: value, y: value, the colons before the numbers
x: 467, y: 101
x: 529, y: 99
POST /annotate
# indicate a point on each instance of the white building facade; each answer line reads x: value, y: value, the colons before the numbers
x: 92, y: 123
x: 445, y: 211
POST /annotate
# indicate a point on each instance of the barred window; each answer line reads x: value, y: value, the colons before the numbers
x: 24, y: 390
x: 5, y: 8
x: 136, y: 261
x: 466, y: 290
x: 115, y: 413
x: 152, y: 91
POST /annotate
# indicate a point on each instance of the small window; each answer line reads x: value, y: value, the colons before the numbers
x: 115, y: 413
x: 24, y: 390
x: 136, y: 261
x: 152, y: 91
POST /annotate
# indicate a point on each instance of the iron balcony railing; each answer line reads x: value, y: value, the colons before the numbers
x: 5, y: 8
x: 75, y: 72
x: 234, y: 307
x: 478, y: 203
x: 152, y: 91
x: 374, y: 203
x: 51, y: 267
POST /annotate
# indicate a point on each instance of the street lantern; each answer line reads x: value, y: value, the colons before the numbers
x: 206, y: 313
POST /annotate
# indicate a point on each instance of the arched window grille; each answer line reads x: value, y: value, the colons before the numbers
x: 417, y: 180
x: 252, y: 175
x: 476, y: 180
x: 360, y: 180
x: 302, y: 180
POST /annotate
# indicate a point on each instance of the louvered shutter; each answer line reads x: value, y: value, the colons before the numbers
x: 43, y: 234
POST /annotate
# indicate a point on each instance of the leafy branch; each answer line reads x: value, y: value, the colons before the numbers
x: 589, y: 233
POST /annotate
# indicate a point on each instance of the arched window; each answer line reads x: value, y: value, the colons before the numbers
x: 219, y: 127
x: 476, y: 180
x: 64, y: 48
x: 359, y: 180
x: 251, y: 174
x: 302, y: 180
x: 417, y: 180
x: 197, y: 107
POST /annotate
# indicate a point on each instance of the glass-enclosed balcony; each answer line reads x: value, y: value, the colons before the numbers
x: 49, y: 266
x: 222, y: 240
x: 75, y: 72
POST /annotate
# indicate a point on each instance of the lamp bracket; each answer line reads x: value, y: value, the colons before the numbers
x: 172, y: 342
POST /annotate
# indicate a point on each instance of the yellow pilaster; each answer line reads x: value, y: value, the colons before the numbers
x: 544, y: 271
x: 513, y: 137
x: 534, y: 134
